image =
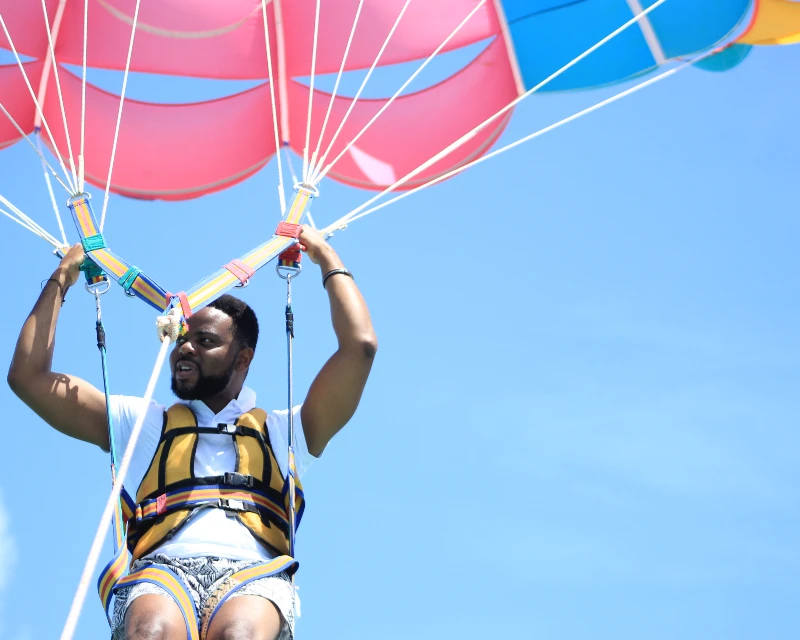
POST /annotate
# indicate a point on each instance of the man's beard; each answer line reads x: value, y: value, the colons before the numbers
x: 206, y: 386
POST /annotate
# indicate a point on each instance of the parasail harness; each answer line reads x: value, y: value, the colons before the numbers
x: 268, y: 504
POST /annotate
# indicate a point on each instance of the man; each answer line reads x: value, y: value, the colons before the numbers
x: 209, y: 365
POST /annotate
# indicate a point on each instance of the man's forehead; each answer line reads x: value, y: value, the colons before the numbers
x: 210, y: 319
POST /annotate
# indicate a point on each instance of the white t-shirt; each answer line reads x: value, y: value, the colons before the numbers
x: 210, y: 532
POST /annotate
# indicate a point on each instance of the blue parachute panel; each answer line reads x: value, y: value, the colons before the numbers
x: 547, y: 34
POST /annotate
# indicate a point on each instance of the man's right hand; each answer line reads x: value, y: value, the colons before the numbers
x: 69, y: 270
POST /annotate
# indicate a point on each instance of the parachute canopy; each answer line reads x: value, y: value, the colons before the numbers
x: 187, y: 150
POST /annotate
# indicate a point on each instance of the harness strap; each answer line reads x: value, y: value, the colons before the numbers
x: 172, y: 583
x: 229, y: 499
x: 233, y: 583
x: 111, y: 575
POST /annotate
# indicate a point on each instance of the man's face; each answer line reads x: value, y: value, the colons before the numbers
x: 204, y: 360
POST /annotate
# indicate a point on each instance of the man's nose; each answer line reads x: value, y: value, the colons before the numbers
x: 186, y: 348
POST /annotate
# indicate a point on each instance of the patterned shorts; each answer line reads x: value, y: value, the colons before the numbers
x: 202, y: 576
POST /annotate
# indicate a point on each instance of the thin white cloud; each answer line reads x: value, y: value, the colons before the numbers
x: 8, y: 550
x: 8, y: 553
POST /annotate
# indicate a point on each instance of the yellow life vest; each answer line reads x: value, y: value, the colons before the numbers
x: 256, y: 493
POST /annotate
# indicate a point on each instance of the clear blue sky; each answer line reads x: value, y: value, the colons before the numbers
x: 585, y: 427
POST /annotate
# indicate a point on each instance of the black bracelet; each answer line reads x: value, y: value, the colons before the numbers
x: 60, y: 288
x: 333, y: 272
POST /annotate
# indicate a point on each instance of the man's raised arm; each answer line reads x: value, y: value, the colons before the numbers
x: 71, y: 405
x: 336, y: 391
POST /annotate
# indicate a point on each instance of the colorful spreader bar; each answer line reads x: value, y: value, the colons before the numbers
x: 132, y: 280
x: 238, y: 272
x: 135, y: 282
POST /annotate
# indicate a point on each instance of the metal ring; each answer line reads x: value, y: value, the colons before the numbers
x: 97, y: 288
x: 129, y: 294
x: 242, y: 285
x: 310, y: 189
x: 287, y: 273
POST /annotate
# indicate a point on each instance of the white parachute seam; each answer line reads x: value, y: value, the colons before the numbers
x: 283, y: 90
x: 54, y: 64
x: 311, y: 91
x: 72, y: 187
x: 119, y: 115
x: 363, y: 84
x: 389, y: 102
x: 313, y: 167
x: 82, y: 157
x: 471, y: 134
x: 105, y: 519
x: 281, y: 189
x: 33, y: 146
x: 350, y: 217
x: 50, y: 190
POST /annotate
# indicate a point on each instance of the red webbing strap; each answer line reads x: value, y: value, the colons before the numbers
x: 288, y: 230
x: 240, y: 270
x: 181, y: 296
x: 291, y: 255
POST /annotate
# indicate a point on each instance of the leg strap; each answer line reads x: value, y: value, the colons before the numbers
x: 236, y: 581
x: 111, y: 575
x: 172, y: 583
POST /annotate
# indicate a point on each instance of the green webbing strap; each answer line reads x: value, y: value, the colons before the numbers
x: 129, y: 277
x: 91, y: 270
x: 92, y: 243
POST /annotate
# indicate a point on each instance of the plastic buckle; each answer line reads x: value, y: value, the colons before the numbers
x: 230, y: 429
x: 231, y: 504
x: 238, y: 479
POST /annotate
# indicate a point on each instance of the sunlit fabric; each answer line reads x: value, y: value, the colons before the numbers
x: 184, y: 151
x: 774, y: 22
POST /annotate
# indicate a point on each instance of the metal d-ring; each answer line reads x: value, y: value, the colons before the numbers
x: 287, y: 273
x: 242, y: 285
x: 99, y: 288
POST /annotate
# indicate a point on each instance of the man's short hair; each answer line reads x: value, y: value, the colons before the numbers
x: 245, y: 323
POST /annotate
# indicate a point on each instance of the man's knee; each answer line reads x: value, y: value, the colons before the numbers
x: 152, y: 629
x: 244, y: 630
x: 154, y: 617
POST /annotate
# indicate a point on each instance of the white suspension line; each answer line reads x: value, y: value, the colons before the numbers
x: 311, y: 92
x: 281, y: 191
x: 105, y: 519
x: 288, y: 154
x: 81, y: 157
x: 119, y: 115
x: 471, y: 134
x: 54, y: 65
x: 324, y: 172
x: 354, y: 215
x: 71, y: 188
x: 312, y: 168
x: 364, y: 83
x: 53, y: 202
x: 28, y: 222
x: 40, y: 154
x: 50, y: 240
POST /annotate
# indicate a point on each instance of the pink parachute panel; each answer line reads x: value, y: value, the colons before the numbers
x: 424, y: 27
x: 17, y: 100
x: 391, y: 149
x: 185, y: 151
x: 170, y: 152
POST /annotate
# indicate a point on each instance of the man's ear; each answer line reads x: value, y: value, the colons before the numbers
x: 244, y: 358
